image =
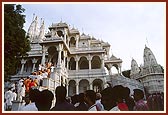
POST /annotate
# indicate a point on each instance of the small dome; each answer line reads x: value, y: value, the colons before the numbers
x: 73, y: 30
x: 113, y: 57
x: 60, y: 24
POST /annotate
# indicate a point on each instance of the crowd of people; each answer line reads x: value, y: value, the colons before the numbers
x: 21, y: 88
x: 115, y: 98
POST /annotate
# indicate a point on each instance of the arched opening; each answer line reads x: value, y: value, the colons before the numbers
x: 62, y: 81
x: 83, y: 63
x: 37, y: 64
x: 97, y: 85
x: 83, y: 85
x: 72, y: 64
x: 66, y: 62
x: 19, y: 67
x: 72, y: 42
x: 72, y: 88
x: 62, y: 55
x: 53, y: 55
x: 106, y: 70
x: 115, y: 69
x: 60, y: 33
x: 28, y: 66
x: 96, y: 62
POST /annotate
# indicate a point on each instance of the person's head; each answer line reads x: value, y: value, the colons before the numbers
x: 74, y: 99
x: 98, y: 96
x: 27, y: 100
x: 33, y: 94
x: 127, y: 91
x: 60, y: 93
x: 90, y: 97
x: 14, y: 91
x: 138, y: 94
x: 81, y: 97
x: 108, y: 98
x: 119, y: 92
x: 44, y: 100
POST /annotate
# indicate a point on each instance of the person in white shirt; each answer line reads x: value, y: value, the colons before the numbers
x: 98, y: 102
x: 9, y: 99
x: 33, y: 95
x: 27, y: 101
x: 90, y: 99
x: 21, y: 93
x: 52, y: 68
x: 14, y: 95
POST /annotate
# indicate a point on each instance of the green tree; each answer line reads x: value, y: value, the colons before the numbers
x: 15, y: 43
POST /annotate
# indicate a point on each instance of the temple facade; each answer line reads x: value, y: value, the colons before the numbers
x: 150, y: 74
x: 81, y: 61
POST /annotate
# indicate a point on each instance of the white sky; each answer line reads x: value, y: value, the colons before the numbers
x: 125, y: 26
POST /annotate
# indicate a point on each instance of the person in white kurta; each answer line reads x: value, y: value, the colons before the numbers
x: 30, y: 107
x: 9, y: 99
x: 21, y: 93
x: 14, y: 95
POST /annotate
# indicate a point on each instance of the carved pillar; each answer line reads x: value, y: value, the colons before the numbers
x: 67, y: 89
x: 77, y: 88
x: 110, y: 73
x: 43, y: 55
x: 89, y: 58
x: 77, y: 60
x: 65, y: 55
x: 59, y: 49
x: 77, y: 40
x: 68, y: 63
x: 23, y: 63
x: 119, y: 69
x: 91, y: 87
x: 68, y: 43
x: 102, y: 61
x: 34, y: 63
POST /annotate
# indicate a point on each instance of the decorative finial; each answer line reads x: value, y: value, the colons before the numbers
x: 82, y: 31
x: 61, y: 20
x: 146, y: 42
x: 33, y: 16
x: 41, y: 21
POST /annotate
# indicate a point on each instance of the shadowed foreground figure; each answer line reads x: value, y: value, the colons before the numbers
x: 109, y: 99
x: 120, y: 95
x: 44, y: 100
x: 82, y: 105
x: 61, y: 103
x: 140, y: 105
x: 90, y: 99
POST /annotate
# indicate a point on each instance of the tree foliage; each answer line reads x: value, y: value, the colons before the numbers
x: 15, y: 43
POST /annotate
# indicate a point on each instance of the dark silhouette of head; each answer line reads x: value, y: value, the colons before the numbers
x: 60, y: 93
x: 74, y: 99
x: 127, y: 92
x: 138, y: 94
x: 109, y: 98
x: 44, y: 101
x: 90, y: 97
x: 33, y: 94
x: 81, y: 97
x: 119, y: 92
